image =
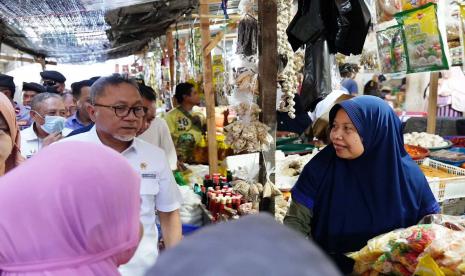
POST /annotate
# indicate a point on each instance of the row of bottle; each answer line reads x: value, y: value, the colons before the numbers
x: 201, y: 150
x: 218, y: 196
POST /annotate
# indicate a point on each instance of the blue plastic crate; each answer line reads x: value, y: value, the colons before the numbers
x: 186, y: 229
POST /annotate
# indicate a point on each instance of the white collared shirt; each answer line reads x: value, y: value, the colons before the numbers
x: 31, y: 143
x: 159, y: 191
x: 158, y: 134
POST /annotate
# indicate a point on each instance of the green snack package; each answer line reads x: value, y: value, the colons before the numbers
x: 391, y: 50
x: 422, y: 39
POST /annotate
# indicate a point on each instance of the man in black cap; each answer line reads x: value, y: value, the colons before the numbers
x: 30, y: 89
x: 8, y: 87
x: 53, y: 79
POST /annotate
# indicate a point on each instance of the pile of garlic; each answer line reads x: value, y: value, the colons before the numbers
x: 247, y: 134
x: 289, y: 75
x: 424, y: 140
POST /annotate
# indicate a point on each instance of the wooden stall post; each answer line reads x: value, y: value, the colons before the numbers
x: 170, y: 46
x: 208, y: 87
x: 267, y: 76
x: 432, y: 103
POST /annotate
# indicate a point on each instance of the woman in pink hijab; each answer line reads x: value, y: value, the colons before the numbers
x: 73, y: 209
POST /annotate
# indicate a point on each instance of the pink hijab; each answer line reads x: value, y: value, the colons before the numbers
x: 72, y: 209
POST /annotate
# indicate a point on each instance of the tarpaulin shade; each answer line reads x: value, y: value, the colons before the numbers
x: 78, y: 31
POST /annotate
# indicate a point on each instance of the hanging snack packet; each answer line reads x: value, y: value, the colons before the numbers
x: 385, y: 9
x: 413, y: 4
x: 391, y: 50
x: 424, y: 45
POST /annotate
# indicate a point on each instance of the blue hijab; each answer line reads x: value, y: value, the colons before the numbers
x: 355, y: 200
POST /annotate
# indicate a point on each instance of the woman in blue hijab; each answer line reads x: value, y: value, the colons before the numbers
x: 363, y: 185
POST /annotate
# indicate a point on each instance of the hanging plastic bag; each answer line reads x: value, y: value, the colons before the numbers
x: 385, y: 9
x: 391, y: 50
x: 413, y: 4
x: 424, y: 45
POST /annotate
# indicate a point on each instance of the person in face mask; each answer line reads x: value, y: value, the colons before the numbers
x: 48, y: 113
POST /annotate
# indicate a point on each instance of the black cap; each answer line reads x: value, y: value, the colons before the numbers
x: 93, y: 79
x: 76, y: 86
x: 51, y: 89
x: 53, y: 75
x: 32, y: 86
x: 7, y: 81
x: 140, y: 81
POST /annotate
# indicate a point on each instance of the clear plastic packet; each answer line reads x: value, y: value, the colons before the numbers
x: 456, y: 223
x: 385, y: 9
x: 447, y: 253
x: 397, y: 252
x: 391, y: 50
x: 424, y: 44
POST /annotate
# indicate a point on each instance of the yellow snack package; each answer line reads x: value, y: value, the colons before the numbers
x: 424, y: 46
x: 428, y: 267
x: 413, y: 4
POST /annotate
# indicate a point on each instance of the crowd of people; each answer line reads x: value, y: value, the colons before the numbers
x: 112, y: 111
x: 95, y: 211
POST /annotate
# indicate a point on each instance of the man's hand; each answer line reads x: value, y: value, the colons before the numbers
x: 52, y: 138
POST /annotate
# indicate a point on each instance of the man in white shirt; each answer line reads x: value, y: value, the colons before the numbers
x: 155, y: 130
x: 117, y: 110
x: 48, y: 115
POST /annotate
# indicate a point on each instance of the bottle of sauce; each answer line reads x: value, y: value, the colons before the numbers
x: 201, y: 152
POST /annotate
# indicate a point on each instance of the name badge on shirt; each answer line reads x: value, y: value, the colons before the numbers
x: 149, y: 175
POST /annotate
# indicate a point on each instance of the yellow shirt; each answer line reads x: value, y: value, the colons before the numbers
x: 181, y: 123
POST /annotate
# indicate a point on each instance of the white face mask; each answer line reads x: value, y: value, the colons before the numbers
x: 53, y: 124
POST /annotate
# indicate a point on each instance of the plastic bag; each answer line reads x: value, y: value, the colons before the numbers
x: 425, y: 48
x: 391, y: 50
x: 413, y: 4
x: 398, y: 252
x: 448, y: 253
x: 456, y: 223
x: 385, y: 9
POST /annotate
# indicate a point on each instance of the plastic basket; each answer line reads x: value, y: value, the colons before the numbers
x: 446, y: 188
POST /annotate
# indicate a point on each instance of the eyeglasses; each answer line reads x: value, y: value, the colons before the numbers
x: 123, y: 111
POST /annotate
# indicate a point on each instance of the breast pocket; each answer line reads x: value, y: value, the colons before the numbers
x: 150, y: 184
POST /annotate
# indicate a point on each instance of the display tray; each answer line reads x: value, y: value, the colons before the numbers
x: 449, y: 144
x: 285, y: 140
x: 290, y: 149
x: 416, y: 152
x: 456, y: 163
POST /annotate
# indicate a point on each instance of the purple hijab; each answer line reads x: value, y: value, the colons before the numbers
x: 73, y: 209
